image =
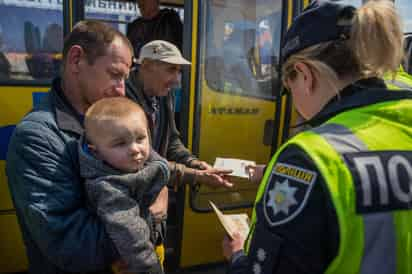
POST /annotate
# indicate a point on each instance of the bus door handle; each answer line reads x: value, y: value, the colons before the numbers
x: 268, y: 132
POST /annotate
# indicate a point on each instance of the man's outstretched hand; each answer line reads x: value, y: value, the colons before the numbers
x: 214, y: 177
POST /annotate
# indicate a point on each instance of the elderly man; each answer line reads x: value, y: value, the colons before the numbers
x: 150, y: 86
x: 60, y: 234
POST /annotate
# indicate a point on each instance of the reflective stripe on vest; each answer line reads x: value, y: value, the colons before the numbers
x: 379, y: 228
x: 397, y: 84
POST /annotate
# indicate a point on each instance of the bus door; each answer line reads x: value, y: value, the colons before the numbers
x: 31, y: 40
x: 237, y: 110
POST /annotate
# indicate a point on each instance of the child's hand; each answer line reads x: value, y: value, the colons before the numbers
x: 255, y: 172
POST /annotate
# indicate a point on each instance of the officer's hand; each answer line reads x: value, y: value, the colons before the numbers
x: 255, y: 172
x: 231, y: 246
x: 159, y: 206
x: 214, y: 177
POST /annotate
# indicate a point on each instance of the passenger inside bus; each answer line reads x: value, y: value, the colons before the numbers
x: 157, y: 24
x: 241, y: 56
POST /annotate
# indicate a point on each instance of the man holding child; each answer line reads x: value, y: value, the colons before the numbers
x: 59, y: 230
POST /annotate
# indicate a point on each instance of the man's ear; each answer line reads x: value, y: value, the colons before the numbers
x: 75, y: 57
x: 308, y: 79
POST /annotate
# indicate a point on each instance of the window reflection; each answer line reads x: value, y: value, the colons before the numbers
x: 31, y: 36
x: 115, y: 13
x: 242, y: 49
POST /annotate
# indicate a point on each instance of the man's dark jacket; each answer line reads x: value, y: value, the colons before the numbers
x: 60, y: 234
x: 166, y: 25
x: 171, y: 147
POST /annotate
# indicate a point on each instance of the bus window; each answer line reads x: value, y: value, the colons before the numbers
x: 31, y: 39
x: 241, y: 52
x: 238, y: 80
x: 355, y: 3
x: 115, y: 13
x: 404, y: 8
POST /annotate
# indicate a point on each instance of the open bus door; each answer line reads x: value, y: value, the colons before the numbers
x: 231, y: 107
x: 234, y: 104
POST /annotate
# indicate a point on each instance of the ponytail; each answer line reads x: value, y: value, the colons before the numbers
x: 376, y: 38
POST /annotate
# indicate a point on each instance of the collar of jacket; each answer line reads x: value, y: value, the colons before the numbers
x: 134, y: 91
x: 90, y: 166
x: 361, y: 93
x: 68, y: 119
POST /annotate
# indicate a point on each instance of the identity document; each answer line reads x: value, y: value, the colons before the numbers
x: 237, y: 165
x: 233, y: 222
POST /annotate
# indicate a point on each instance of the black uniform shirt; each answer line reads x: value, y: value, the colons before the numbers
x: 297, y: 228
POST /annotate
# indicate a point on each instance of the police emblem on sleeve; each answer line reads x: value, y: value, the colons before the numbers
x: 286, y: 193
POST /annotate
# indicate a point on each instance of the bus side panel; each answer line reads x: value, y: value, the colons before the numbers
x: 15, y: 103
x: 13, y: 254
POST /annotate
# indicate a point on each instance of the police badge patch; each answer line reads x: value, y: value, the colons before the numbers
x: 286, y: 193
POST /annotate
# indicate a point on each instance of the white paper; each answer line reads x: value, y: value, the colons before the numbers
x: 237, y: 165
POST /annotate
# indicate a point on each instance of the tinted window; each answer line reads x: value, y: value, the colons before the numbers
x: 405, y: 10
x: 242, y: 48
x: 31, y: 36
x: 116, y: 13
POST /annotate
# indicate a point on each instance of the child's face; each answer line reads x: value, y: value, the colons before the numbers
x: 124, y: 143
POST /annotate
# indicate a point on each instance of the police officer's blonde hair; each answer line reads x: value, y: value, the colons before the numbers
x: 375, y: 46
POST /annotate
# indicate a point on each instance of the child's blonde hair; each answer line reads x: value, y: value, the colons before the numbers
x: 109, y: 109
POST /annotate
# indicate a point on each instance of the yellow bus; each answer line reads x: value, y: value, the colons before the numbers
x: 231, y: 105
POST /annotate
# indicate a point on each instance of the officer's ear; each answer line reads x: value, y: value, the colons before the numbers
x: 305, y: 76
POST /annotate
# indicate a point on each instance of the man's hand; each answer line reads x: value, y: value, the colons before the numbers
x: 255, y: 172
x: 214, y: 177
x: 230, y: 246
x: 159, y: 207
x: 202, y: 165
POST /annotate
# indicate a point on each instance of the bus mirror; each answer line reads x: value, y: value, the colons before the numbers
x: 407, y: 61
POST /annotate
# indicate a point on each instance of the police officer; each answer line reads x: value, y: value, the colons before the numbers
x: 337, y: 198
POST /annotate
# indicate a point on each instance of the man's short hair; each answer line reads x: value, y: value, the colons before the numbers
x: 94, y: 37
x: 109, y: 109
